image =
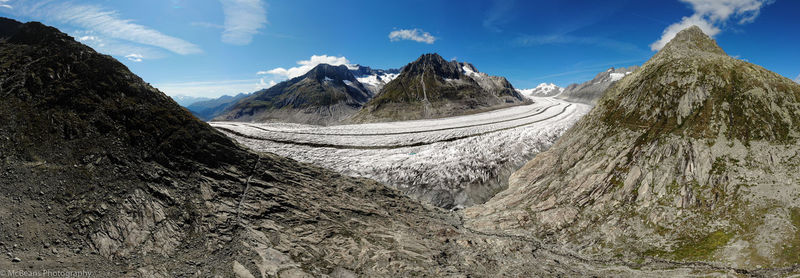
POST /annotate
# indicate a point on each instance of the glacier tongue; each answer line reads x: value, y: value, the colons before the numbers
x: 449, y: 162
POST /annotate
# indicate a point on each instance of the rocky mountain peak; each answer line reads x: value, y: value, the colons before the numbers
x: 336, y: 73
x: 692, y: 39
x: 436, y: 64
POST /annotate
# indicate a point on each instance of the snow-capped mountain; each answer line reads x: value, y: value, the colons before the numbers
x: 184, y: 100
x: 431, y: 87
x: 543, y: 90
x: 374, y: 79
x: 590, y: 91
x: 325, y: 95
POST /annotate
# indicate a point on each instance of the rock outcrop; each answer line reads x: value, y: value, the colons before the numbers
x: 694, y: 157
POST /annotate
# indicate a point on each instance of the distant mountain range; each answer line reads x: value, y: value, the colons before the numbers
x: 185, y: 101
x: 590, y: 91
x: 543, y: 90
x: 429, y: 87
x: 208, y: 109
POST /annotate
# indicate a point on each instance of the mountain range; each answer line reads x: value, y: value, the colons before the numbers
x: 338, y: 94
x: 324, y: 95
x: 587, y: 92
x: 185, y: 101
x: 543, y: 90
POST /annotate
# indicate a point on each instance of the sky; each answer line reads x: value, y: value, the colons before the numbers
x: 209, y: 48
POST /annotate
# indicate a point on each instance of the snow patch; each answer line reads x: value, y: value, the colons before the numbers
x: 616, y: 76
x: 469, y: 72
x: 544, y: 89
x: 328, y: 79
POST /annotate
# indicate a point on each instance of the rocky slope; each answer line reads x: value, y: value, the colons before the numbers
x: 431, y: 87
x: 694, y: 157
x: 591, y: 91
x: 325, y: 95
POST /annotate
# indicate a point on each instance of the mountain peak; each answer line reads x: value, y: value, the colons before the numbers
x: 338, y: 73
x: 434, y: 63
x: 693, y: 39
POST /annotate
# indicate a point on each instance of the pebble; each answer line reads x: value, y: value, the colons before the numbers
x: 15, y: 260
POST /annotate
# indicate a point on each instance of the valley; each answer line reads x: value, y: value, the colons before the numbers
x: 448, y: 162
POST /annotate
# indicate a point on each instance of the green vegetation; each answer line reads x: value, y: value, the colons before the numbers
x: 790, y: 252
x: 695, y: 249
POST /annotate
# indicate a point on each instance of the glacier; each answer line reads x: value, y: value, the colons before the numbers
x: 449, y: 162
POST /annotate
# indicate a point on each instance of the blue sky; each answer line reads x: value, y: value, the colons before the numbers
x: 214, y: 47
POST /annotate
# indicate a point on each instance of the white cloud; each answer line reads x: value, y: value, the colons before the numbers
x: 6, y: 6
x: 797, y: 79
x: 243, y: 19
x: 711, y: 15
x: 417, y: 35
x: 134, y: 57
x: 305, y: 65
x: 102, y: 21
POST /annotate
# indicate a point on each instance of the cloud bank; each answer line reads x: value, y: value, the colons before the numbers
x: 306, y: 65
x: 417, y: 35
x: 711, y: 16
x: 243, y: 19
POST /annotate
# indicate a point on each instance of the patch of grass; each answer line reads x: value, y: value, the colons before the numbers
x: 702, y: 248
x: 697, y: 249
x: 790, y: 252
